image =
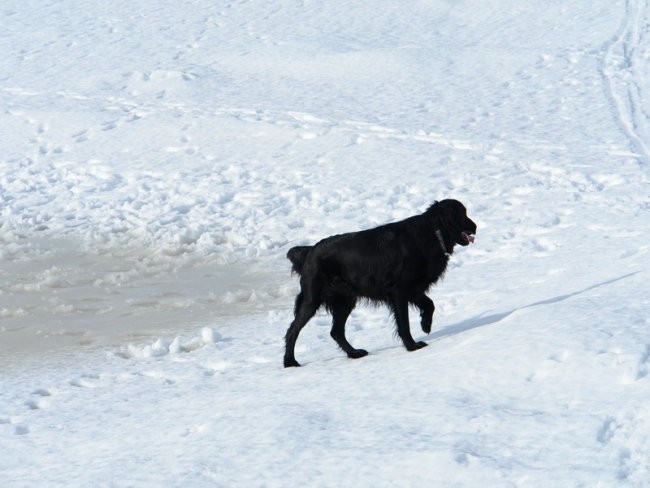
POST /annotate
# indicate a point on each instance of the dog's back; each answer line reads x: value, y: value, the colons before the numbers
x: 369, y: 263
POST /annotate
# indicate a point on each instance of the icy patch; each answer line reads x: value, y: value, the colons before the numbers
x: 59, y: 293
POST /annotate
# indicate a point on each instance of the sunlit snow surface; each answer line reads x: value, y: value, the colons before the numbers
x: 158, y: 160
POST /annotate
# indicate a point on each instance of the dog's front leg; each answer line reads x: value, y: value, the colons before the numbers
x: 401, y: 312
x: 426, y: 306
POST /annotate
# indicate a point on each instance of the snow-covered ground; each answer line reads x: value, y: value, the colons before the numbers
x: 157, y: 161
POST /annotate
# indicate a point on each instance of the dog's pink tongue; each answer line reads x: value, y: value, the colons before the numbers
x: 469, y: 237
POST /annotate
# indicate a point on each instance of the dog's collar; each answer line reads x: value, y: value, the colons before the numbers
x: 442, y: 242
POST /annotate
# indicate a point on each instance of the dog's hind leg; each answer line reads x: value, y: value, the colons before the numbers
x: 306, y: 306
x: 426, y: 306
x: 400, y: 307
x: 340, y: 308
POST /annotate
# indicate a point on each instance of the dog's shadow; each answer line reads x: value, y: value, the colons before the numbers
x: 482, y: 320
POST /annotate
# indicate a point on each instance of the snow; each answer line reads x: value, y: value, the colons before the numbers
x: 159, y: 160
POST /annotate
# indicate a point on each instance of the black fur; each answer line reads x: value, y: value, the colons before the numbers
x: 393, y: 264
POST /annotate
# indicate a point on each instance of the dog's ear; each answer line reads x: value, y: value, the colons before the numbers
x: 449, y: 218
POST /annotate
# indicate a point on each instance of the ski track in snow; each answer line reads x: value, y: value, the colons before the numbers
x: 624, y: 69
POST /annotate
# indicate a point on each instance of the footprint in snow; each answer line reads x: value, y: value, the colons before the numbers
x: 42, y: 401
x: 18, y: 429
x: 548, y: 366
x: 42, y: 392
x: 215, y: 367
x: 607, y: 430
x: 81, y: 136
x: 88, y: 381
x: 37, y: 404
x: 109, y: 126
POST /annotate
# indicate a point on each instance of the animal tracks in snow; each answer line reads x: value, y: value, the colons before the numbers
x: 625, y: 433
x: 86, y: 381
x: 20, y: 429
x: 41, y: 399
x: 15, y: 427
x: 174, y: 369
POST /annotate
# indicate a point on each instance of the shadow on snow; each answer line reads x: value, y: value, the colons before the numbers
x: 480, y: 320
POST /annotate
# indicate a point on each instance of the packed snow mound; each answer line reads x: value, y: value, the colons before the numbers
x: 164, y: 347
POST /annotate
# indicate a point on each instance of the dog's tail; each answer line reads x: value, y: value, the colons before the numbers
x: 297, y: 255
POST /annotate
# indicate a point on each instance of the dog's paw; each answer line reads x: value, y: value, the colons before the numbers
x: 291, y: 363
x: 416, y: 345
x: 426, y: 326
x: 357, y: 353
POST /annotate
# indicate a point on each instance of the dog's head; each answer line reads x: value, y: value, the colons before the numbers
x: 454, y: 223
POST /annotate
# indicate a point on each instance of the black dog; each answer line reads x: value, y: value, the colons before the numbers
x: 393, y: 264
